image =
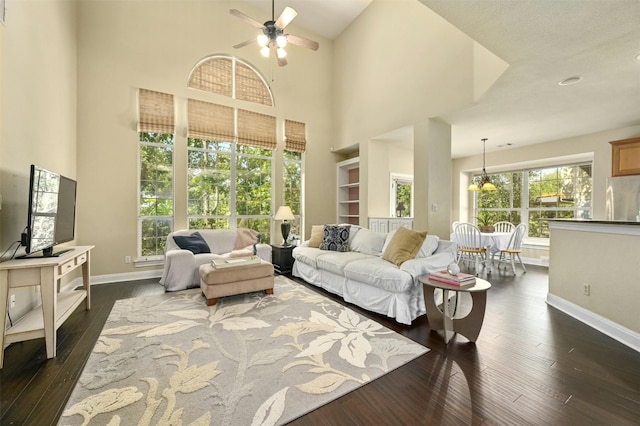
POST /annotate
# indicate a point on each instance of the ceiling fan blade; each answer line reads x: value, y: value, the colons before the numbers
x: 245, y: 43
x: 304, y: 42
x: 282, y: 61
x: 250, y: 20
x: 286, y: 17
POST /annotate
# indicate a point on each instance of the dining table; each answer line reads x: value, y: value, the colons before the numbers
x: 493, y: 241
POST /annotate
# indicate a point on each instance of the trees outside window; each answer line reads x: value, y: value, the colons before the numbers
x: 229, y: 184
x: 534, y: 195
x: 292, y: 177
x: 155, y: 213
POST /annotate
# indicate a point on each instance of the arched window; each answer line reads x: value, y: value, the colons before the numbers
x: 228, y: 76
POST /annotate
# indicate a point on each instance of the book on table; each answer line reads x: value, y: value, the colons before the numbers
x: 233, y: 262
x: 461, y: 279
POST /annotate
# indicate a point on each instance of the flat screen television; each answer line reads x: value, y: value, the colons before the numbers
x: 52, y: 213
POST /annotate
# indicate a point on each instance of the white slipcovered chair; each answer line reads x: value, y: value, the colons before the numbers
x: 513, y: 250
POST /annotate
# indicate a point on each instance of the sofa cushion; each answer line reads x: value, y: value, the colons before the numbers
x: 335, y: 238
x: 335, y: 261
x: 308, y: 255
x: 379, y: 273
x: 317, y: 231
x: 404, y: 245
x: 194, y: 243
x: 428, y: 247
x: 368, y: 242
x: 220, y: 240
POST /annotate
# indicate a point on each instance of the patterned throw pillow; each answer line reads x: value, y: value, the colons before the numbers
x: 335, y: 238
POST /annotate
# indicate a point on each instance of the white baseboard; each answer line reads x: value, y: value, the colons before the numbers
x: 535, y: 261
x: 115, y: 278
x: 615, y: 331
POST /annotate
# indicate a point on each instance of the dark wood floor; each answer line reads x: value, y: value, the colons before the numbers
x: 531, y: 365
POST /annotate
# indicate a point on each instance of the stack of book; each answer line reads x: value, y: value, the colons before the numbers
x: 461, y: 279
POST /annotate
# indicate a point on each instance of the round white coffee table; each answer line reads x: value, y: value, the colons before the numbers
x: 468, y: 326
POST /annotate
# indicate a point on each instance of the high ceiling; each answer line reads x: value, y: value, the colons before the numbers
x: 544, y: 42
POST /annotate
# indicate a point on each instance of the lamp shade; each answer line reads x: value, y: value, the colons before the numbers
x: 284, y: 213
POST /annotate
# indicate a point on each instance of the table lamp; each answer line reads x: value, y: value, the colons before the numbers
x: 284, y: 214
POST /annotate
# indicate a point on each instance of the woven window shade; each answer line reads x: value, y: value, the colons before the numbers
x: 210, y: 121
x: 214, y: 75
x: 250, y: 87
x: 294, y: 133
x: 156, y: 112
x: 258, y: 130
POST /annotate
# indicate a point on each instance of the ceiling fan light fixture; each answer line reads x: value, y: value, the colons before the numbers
x: 281, y: 40
x: 281, y: 53
x: 265, y: 51
x: 263, y: 40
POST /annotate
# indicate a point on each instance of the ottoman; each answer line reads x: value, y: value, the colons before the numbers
x: 235, y: 280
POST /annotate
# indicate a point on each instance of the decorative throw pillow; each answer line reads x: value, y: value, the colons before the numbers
x: 335, y: 238
x: 317, y: 231
x: 194, y: 243
x: 428, y: 247
x: 404, y: 245
x: 368, y: 242
x: 246, y: 237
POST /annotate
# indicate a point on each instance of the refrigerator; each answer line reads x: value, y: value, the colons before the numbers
x: 623, y: 198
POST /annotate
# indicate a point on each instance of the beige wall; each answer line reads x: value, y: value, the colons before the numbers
x: 38, y: 90
x: 385, y: 79
x: 385, y: 158
x: 604, y: 257
x: 126, y: 45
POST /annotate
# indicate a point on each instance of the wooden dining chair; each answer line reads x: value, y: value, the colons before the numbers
x: 470, y: 245
x: 513, y: 250
x: 504, y: 226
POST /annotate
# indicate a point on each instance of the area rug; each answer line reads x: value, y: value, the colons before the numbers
x: 252, y: 359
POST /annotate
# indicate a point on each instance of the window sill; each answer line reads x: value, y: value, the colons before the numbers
x: 143, y: 263
x: 536, y: 242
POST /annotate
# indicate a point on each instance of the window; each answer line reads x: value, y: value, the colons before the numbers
x: 295, y: 146
x: 155, y: 181
x: 401, y: 195
x: 230, y: 162
x: 533, y: 195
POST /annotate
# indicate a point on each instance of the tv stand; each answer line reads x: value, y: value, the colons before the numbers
x: 45, y: 253
x: 45, y: 319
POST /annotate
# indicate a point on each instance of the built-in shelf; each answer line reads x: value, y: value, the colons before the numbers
x: 348, y: 181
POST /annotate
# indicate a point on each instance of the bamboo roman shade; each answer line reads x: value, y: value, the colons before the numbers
x: 294, y: 133
x: 217, y: 75
x: 214, y: 75
x: 156, y: 112
x: 257, y: 130
x: 210, y: 121
x: 250, y: 87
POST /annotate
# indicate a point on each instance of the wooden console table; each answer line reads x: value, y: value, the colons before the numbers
x: 44, y: 320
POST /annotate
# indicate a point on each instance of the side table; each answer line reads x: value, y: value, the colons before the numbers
x: 282, y: 258
x: 444, y: 319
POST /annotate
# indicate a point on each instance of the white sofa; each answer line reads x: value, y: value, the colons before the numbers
x: 181, y: 266
x: 362, y: 277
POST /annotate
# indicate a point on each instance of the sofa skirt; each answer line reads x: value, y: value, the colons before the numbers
x: 404, y: 307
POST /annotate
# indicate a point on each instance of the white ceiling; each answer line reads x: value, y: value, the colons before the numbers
x: 544, y: 41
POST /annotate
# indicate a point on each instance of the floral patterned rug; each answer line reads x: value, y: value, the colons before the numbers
x: 250, y: 359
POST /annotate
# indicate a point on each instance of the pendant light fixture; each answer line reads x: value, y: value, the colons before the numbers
x: 482, y: 182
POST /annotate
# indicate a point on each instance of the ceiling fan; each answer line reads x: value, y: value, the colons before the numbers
x: 273, y: 36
